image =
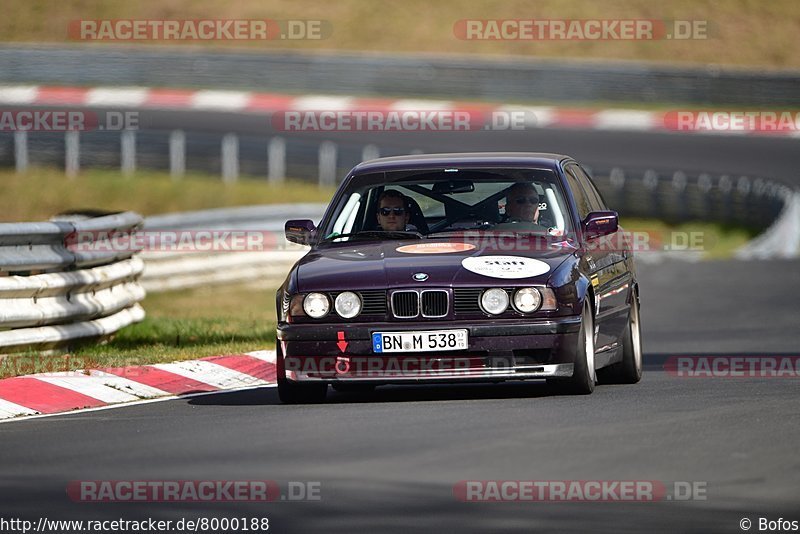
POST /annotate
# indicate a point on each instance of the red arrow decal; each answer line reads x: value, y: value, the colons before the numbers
x: 342, y: 344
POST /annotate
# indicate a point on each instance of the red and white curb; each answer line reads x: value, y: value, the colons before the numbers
x: 269, y: 103
x: 50, y: 393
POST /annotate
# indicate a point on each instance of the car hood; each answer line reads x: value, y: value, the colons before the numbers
x: 392, y: 264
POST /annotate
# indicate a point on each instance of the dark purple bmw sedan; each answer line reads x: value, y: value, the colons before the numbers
x: 460, y: 267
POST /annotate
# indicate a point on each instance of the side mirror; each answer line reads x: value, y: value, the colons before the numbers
x: 300, y: 231
x: 600, y: 223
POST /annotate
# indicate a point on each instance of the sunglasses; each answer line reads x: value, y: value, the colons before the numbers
x: 387, y: 211
x: 529, y: 200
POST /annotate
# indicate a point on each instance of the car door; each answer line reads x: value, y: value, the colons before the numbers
x: 613, y: 301
x: 598, y: 261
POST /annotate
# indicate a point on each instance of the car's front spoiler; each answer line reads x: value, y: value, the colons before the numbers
x: 526, y: 372
x: 498, y: 351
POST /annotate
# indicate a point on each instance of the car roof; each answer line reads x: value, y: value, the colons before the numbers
x: 465, y: 159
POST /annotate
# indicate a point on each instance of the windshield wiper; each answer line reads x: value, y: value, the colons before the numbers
x: 385, y: 234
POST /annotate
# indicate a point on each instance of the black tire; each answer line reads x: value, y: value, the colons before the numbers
x: 584, y: 376
x: 629, y: 370
x: 293, y: 393
x: 354, y: 388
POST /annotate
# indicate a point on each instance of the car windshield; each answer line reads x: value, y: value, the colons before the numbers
x: 433, y: 203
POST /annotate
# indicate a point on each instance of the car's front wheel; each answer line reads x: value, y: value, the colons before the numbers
x: 293, y: 393
x: 584, y: 376
x: 354, y: 388
x: 629, y: 370
x: 290, y: 392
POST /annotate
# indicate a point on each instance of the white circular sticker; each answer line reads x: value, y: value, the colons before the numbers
x: 511, y: 267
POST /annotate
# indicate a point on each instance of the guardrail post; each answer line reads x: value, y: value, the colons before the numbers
x: 742, y: 206
x: 327, y: 163
x: 230, y: 158
x: 72, y: 160
x: 724, y: 185
x: 743, y: 186
x: 177, y: 154
x: 650, y: 182
x: 704, y: 185
x: 21, y: 151
x: 776, y: 204
x: 127, y: 143
x: 370, y: 152
x: 679, y: 182
x: 759, y: 188
x: 276, y: 160
x: 617, y: 180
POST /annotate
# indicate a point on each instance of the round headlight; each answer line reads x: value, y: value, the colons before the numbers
x: 494, y: 301
x: 316, y: 305
x: 347, y: 304
x: 527, y: 299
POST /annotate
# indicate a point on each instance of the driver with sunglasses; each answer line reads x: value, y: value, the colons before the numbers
x: 392, y: 212
x: 522, y: 209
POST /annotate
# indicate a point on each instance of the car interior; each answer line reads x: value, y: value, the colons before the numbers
x: 437, y: 202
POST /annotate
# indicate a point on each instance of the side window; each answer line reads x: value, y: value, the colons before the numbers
x: 581, y: 198
x: 591, y: 190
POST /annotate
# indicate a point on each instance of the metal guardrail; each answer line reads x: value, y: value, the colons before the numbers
x: 759, y: 203
x: 165, y: 270
x: 194, y: 270
x: 42, y: 246
x: 498, y: 79
x: 782, y: 238
x: 58, y: 287
x: 677, y: 196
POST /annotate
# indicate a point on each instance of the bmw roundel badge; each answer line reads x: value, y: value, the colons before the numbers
x: 420, y: 277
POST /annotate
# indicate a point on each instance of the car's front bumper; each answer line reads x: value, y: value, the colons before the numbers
x: 498, y: 351
x: 434, y: 374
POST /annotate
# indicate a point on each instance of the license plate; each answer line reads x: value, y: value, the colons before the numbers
x: 426, y: 341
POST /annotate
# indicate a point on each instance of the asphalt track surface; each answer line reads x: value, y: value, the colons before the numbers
x: 390, y: 461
